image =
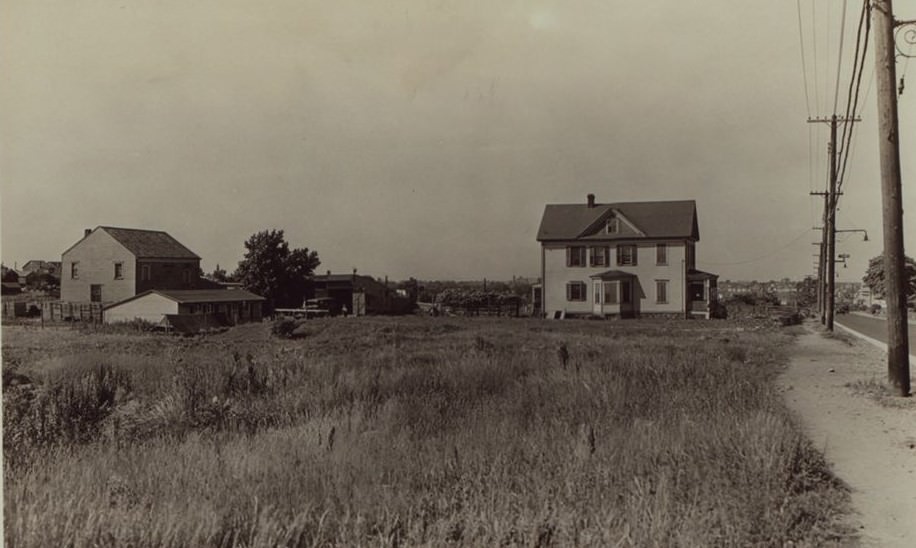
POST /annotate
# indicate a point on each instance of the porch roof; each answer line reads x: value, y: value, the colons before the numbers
x: 699, y: 276
x: 613, y: 275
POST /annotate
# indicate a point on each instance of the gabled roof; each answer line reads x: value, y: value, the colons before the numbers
x: 663, y: 219
x: 146, y: 244
x: 197, y: 296
x: 150, y: 244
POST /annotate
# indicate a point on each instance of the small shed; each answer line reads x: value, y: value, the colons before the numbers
x: 181, y: 307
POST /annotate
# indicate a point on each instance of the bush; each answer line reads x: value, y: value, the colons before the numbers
x: 284, y: 327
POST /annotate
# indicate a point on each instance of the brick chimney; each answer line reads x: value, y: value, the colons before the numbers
x: 87, y: 232
x: 591, y: 200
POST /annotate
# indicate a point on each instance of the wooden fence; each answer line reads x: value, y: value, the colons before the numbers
x: 55, y: 311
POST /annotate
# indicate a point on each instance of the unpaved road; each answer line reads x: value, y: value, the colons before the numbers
x: 867, y: 436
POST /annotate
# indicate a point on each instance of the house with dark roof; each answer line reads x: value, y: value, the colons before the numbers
x: 624, y: 259
x: 110, y: 264
x: 188, y: 310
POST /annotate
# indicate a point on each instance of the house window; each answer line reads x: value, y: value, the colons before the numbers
x: 575, y: 256
x: 119, y: 271
x: 74, y: 270
x: 599, y: 256
x: 610, y: 292
x: 145, y: 273
x: 626, y: 255
x: 661, y: 254
x: 612, y: 226
x: 661, y: 291
x: 575, y: 291
x: 95, y: 293
x: 186, y: 276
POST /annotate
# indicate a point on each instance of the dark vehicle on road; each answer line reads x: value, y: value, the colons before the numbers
x: 842, y: 309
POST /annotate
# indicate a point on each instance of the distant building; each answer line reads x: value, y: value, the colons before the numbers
x: 36, y: 266
x: 623, y: 259
x: 359, y: 294
x: 112, y: 264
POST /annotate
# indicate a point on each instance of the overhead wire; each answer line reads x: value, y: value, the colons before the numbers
x: 839, y: 60
x: 801, y: 42
x: 761, y: 257
x: 853, y: 98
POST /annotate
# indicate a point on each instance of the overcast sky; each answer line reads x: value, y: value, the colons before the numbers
x: 424, y: 137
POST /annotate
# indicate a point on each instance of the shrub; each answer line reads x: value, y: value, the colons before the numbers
x: 284, y: 327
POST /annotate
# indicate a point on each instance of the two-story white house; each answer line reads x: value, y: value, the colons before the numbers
x: 624, y: 259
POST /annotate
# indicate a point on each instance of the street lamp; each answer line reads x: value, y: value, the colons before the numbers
x: 862, y: 230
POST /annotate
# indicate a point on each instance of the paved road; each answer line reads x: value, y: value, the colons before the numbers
x: 872, y: 326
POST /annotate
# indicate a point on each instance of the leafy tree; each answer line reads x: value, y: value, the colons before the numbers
x: 274, y: 271
x: 10, y: 275
x: 806, y: 291
x: 41, y: 281
x: 219, y: 274
x: 874, y: 276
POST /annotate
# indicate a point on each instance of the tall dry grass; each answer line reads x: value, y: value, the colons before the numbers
x: 422, y: 432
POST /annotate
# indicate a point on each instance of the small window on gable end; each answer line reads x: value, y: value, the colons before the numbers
x: 119, y: 271
x: 612, y: 226
x: 74, y: 270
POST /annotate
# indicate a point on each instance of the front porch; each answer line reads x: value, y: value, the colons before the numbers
x: 613, y: 294
x: 702, y: 293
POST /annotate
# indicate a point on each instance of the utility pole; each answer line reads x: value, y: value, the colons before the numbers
x: 898, y: 360
x: 821, y: 262
x: 829, y: 236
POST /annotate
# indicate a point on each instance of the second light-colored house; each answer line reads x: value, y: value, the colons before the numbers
x: 110, y: 264
x: 623, y: 259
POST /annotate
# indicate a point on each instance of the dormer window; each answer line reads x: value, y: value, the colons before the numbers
x: 612, y: 226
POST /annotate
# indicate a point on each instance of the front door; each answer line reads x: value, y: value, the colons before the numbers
x: 95, y: 293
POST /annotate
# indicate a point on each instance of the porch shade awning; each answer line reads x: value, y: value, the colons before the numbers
x: 613, y: 275
x: 699, y: 276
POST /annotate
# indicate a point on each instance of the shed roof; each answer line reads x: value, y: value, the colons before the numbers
x: 660, y: 219
x: 197, y: 296
x: 613, y: 275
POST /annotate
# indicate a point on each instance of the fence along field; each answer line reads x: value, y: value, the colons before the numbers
x: 410, y: 431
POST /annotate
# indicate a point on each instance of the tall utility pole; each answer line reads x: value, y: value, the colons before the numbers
x: 829, y: 234
x: 898, y: 360
x: 821, y: 261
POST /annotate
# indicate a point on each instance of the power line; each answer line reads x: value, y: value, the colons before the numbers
x: 852, y: 102
x: 801, y: 42
x: 760, y: 258
x: 836, y: 93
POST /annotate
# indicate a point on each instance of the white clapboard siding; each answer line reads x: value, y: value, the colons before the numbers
x: 151, y: 307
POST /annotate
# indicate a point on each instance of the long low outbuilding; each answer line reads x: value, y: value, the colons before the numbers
x: 183, y: 307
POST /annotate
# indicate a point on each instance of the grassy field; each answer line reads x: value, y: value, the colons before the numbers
x: 410, y: 431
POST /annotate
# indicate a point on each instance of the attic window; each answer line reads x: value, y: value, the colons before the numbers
x: 119, y: 271
x: 612, y: 226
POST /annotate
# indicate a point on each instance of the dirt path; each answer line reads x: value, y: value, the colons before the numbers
x: 869, y: 438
